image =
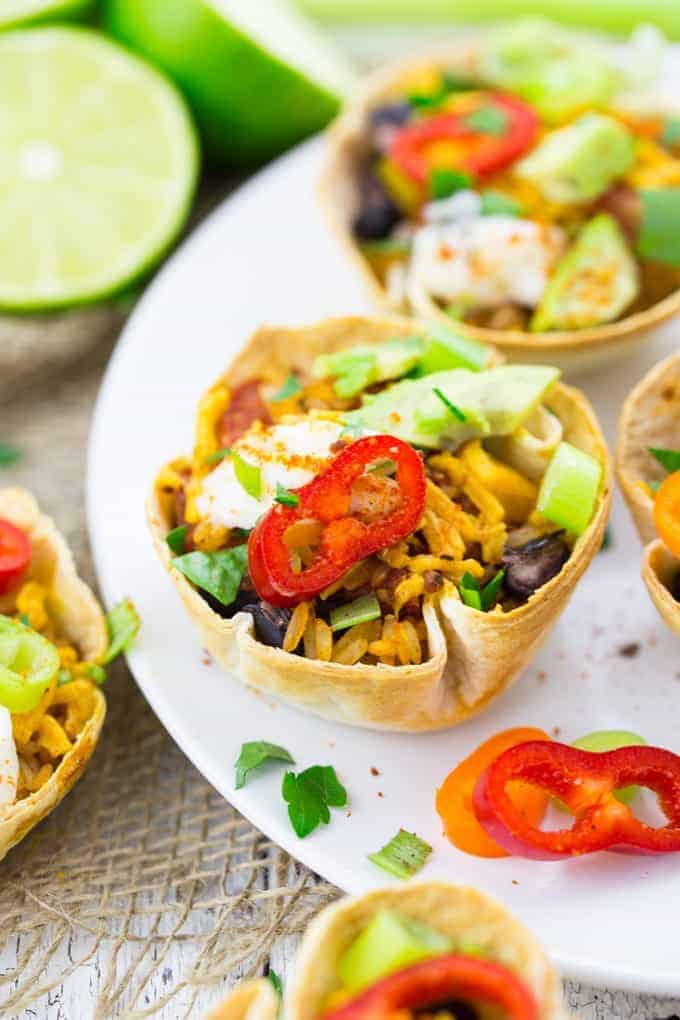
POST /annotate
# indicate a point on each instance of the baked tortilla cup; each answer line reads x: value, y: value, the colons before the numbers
x: 651, y: 417
x: 252, y: 1000
x: 346, y: 147
x: 473, y: 656
x: 81, y: 620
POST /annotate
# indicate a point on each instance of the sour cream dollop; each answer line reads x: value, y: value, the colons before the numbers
x: 9, y: 761
x: 290, y: 455
x: 488, y: 259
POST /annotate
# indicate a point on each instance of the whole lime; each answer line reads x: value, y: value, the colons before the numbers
x: 257, y: 76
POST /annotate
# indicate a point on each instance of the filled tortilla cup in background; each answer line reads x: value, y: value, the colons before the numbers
x: 462, y: 914
x: 347, y: 148
x: 651, y: 418
x: 472, y: 656
x: 80, y: 620
x: 252, y: 1000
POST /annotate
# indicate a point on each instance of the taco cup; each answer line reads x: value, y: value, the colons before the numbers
x: 340, y: 956
x: 438, y: 230
x: 417, y: 657
x: 49, y: 745
x: 650, y: 420
x: 252, y: 1000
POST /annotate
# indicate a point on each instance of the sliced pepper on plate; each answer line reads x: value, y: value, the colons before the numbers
x: 344, y: 535
x: 586, y: 783
x: 441, y: 980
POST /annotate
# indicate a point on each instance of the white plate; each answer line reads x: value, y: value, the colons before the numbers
x: 265, y: 256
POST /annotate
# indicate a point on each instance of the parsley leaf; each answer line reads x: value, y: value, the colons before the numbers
x: 219, y: 573
x: 218, y: 455
x: 285, y: 496
x: 275, y: 981
x: 488, y: 120
x: 670, y: 459
x: 255, y: 753
x: 442, y: 182
x: 291, y: 386
x: 456, y: 411
x: 176, y: 539
x: 403, y: 856
x: 249, y: 476
x: 482, y: 599
x: 122, y: 623
x: 8, y: 455
x: 309, y: 795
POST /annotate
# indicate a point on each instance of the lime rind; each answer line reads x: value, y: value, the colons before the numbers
x: 89, y: 203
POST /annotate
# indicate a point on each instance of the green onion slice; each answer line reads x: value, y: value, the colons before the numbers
x: 443, y: 183
x: 285, y: 496
x: 403, y: 856
x: 122, y: 623
x: 488, y: 120
x: 249, y: 476
x: 455, y: 411
x: 362, y: 610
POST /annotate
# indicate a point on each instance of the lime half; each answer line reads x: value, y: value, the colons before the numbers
x: 98, y: 165
x: 257, y: 75
x: 15, y: 13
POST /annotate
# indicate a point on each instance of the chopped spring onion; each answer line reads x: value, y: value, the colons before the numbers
x: 291, y: 386
x: 285, y: 496
x: 475, y: 597
x: 443, y: 183
x: 249, y: 476
x: 403, y: 856
x: 176, y: 539
x: 122, y: 623
x: 96, y: 673
x: 569, y: 489
x: 382, y: 467
x: 670, y: 459
x: 455, y: 411
x: 218, y: 455
x: 255, y: 753
x: 362, y: 610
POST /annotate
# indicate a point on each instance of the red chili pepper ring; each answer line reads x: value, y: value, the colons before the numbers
x: 585, y: 781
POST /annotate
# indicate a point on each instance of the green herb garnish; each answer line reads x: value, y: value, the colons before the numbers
x: 669, y: 459
x: 96, y: 673
x: 403, y: 856
x: 488, y: 120
x: 387, y: 246
x: 309, y: 795
x: 291, y: 386
x: 275, y: 981
x: 495, y: 203
x: 219, y: 573
x: 607, y: 540
x: 218, y: 455
x: 8, y: 455
x: 362, y: 610
x: 670, y: 135
x: 249, y: 476
x: 64, y: 676
x: 285, y: 496
x: 23, y: 618
x: 122, y: 623
x: 176, y: 539
x: 482, y: 599
x: 442, y: 182
x: 455, y: 411
x: 255, y: 753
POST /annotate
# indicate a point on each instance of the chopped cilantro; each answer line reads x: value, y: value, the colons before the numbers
x: 285, y: 496
x: 123, y: 624
x: 488, y: 120
x: 669, y: 459
x: 291, y: 386
x: 249, y: 476
x: 96, y: 673
x: 443, y: 182
x: 275, y: 981
x: 219, y: 573
x: 455, y: 411
x: 403, y: 856
x: 255, y: 753
x: 482, y: 599
x: 309, y: 795
x: 218, y: 455
x: 176, y: 539
x: 8, y: 455
x: 362, y: 610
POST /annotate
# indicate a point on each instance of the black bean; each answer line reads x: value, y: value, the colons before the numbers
x: 385, y: 121
x: 377, y: 212
x: 534, y: 564
x: 271, y: 622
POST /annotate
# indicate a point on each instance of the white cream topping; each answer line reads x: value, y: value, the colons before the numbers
x: 9, y: 761
x: 290, y: 455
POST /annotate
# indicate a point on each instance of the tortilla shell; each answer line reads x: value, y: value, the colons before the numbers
x: 80, y: 618
x: 252, y: 1000
x: 651, y: 417
x: 473, y: 656
x: 456, y: 911
x: 346, y: 147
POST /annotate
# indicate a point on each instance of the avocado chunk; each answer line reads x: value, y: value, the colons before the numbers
x: 446, y: 348
x: 594, y: 283
x: 388, y: 943
x: 579, y: 162
x: 355, y: 368
x: 446, y: 409
x: 569, y: 489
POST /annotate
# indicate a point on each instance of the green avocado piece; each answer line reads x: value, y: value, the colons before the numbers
x: 594, y: 283
x: 389, y: 942
x: 579, y: 162
x: 355, y: 368
x: 468, y: 405
x: 446, y: 348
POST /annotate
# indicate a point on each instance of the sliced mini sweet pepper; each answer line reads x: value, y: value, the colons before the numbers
x: 344, y: 534
x: 28, y: 665
x: 585, y: 782
x: 441, y: 980
x: 481, y: 141
x: 15, y: 555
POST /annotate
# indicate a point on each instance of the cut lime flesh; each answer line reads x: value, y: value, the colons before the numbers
x: 15, y: 13
x: 99, y: 165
